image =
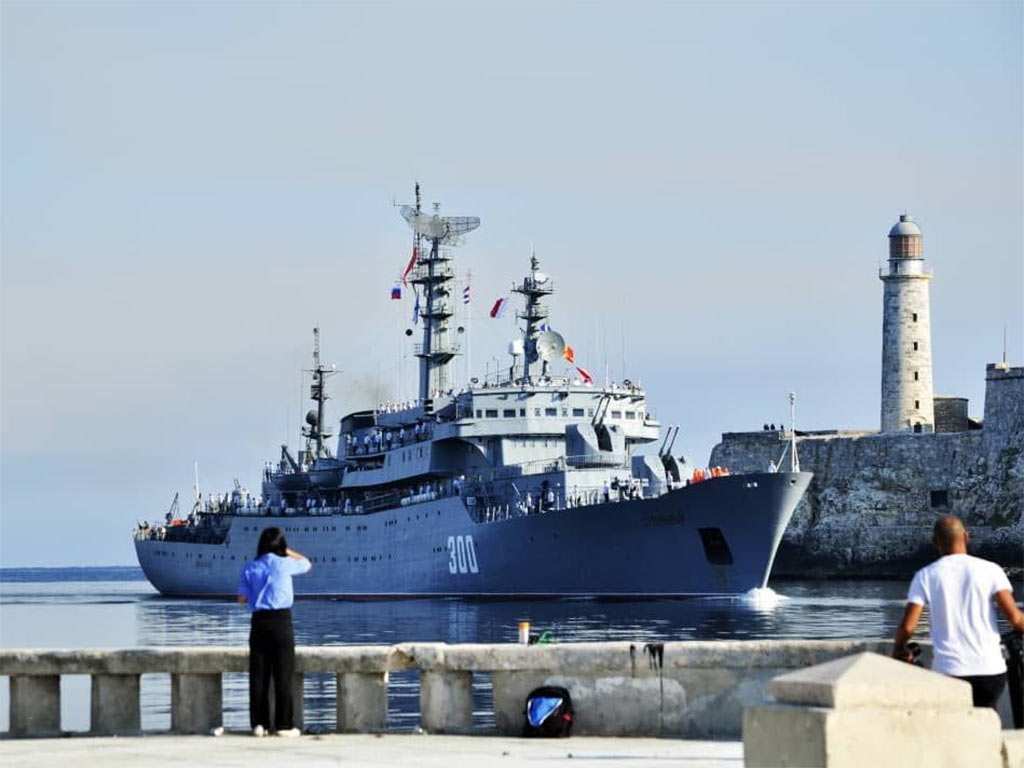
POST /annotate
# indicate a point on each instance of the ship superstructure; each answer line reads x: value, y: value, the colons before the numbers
x: 526, y: 483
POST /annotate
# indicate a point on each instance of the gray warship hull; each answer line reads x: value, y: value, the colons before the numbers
x: 718, y: 537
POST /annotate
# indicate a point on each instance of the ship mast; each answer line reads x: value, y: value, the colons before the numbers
x: 534, y: 288
x: 314, y: 430
x: 433, y: 273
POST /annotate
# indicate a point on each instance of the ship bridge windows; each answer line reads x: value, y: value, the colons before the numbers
x: 577, y: 412
x: 630, y: 416
x: 479, y: 413
x: 616, y: 414
x: 522, y: 412
x: 509, y: 413
x: 491, y: 413
x: 550, y: 411
x: 536, y: 411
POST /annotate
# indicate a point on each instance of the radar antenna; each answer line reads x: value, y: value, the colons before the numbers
x: 433, y: 271
x: 534, y: 288
x: 314, y: 430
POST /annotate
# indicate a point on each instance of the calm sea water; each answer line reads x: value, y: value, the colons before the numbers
x: 117, y: 608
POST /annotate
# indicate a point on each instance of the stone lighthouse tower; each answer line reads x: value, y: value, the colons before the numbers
x: 907, y: 398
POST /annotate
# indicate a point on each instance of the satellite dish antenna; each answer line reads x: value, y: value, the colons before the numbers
x: 550, y: 345
x: 444, y: 229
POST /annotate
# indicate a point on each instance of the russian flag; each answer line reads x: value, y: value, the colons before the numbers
x: 396, y: 291
x: 499, y: 308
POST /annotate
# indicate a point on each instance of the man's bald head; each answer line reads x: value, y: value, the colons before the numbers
x: 949, y: 535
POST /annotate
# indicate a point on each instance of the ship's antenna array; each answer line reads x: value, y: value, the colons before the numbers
x: 315, y: 432
x: 433, y: 272
x: 539, y: 343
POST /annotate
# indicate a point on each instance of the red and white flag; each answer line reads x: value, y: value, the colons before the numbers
x: 587, y: 378
x: 499, y: 308
x: 412, y: 263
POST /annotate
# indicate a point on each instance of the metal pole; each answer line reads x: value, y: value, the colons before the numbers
x: 794, y: 461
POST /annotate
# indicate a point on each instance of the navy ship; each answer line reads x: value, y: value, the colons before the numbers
x: 529, y: 483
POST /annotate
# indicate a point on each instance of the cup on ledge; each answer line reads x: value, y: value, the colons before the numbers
x: 524, y: 633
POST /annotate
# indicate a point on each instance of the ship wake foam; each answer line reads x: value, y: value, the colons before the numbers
x: 762, y: 598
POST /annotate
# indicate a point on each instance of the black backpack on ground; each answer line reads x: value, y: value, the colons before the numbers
x: 548, y: 712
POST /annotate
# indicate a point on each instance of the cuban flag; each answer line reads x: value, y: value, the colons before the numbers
x: 396, y: 292
x: 499, y: 308
x: 465, y: 294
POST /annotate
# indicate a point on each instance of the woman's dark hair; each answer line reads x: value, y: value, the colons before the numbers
x: 271, y: 540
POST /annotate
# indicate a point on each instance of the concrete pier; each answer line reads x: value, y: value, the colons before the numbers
x: 115, y: 704
x: 362, y: 702
x: 695, y: 690
x: 196, y: 703
x: 35, y: 705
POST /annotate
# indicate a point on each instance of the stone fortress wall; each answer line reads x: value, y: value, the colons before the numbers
x: 874, y: 496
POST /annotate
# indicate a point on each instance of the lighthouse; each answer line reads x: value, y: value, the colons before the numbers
x: 907, y: 396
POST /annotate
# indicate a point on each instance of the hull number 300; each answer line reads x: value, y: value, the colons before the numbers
x: 462, y: 555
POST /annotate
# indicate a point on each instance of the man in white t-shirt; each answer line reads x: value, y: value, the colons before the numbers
x: 961, y: 593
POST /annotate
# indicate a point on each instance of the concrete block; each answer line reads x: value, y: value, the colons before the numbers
x: 866, y: 709
x: 688, y: 703
x: 115, y: 704
x: 786, y: 736
x: 196, y: 703
x: 510, y: 689
x: 298, y: 697
x: 35, y: 705
x: 782, y: 736
x: 1013, y: 749
x: 362, y: 702
x: 870, y: 680
x: 446, y: 701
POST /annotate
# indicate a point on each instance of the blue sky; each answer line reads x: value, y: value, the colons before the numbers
x: 187, y: 188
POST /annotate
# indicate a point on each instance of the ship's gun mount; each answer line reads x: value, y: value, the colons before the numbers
x: 600, y: 444
x: 673, y: 466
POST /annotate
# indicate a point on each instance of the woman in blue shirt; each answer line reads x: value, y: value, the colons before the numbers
x: 266, y: 586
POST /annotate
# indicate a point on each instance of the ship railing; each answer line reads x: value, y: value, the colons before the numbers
x: 422, y: 271
x: 453, y: 349
x: 557, y: 464
x: 489, y: 508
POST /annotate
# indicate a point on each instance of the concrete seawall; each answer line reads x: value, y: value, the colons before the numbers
x: 682, y: 689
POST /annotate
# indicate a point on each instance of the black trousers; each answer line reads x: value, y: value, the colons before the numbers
x: 986, y: 689
x: 271, y: 657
